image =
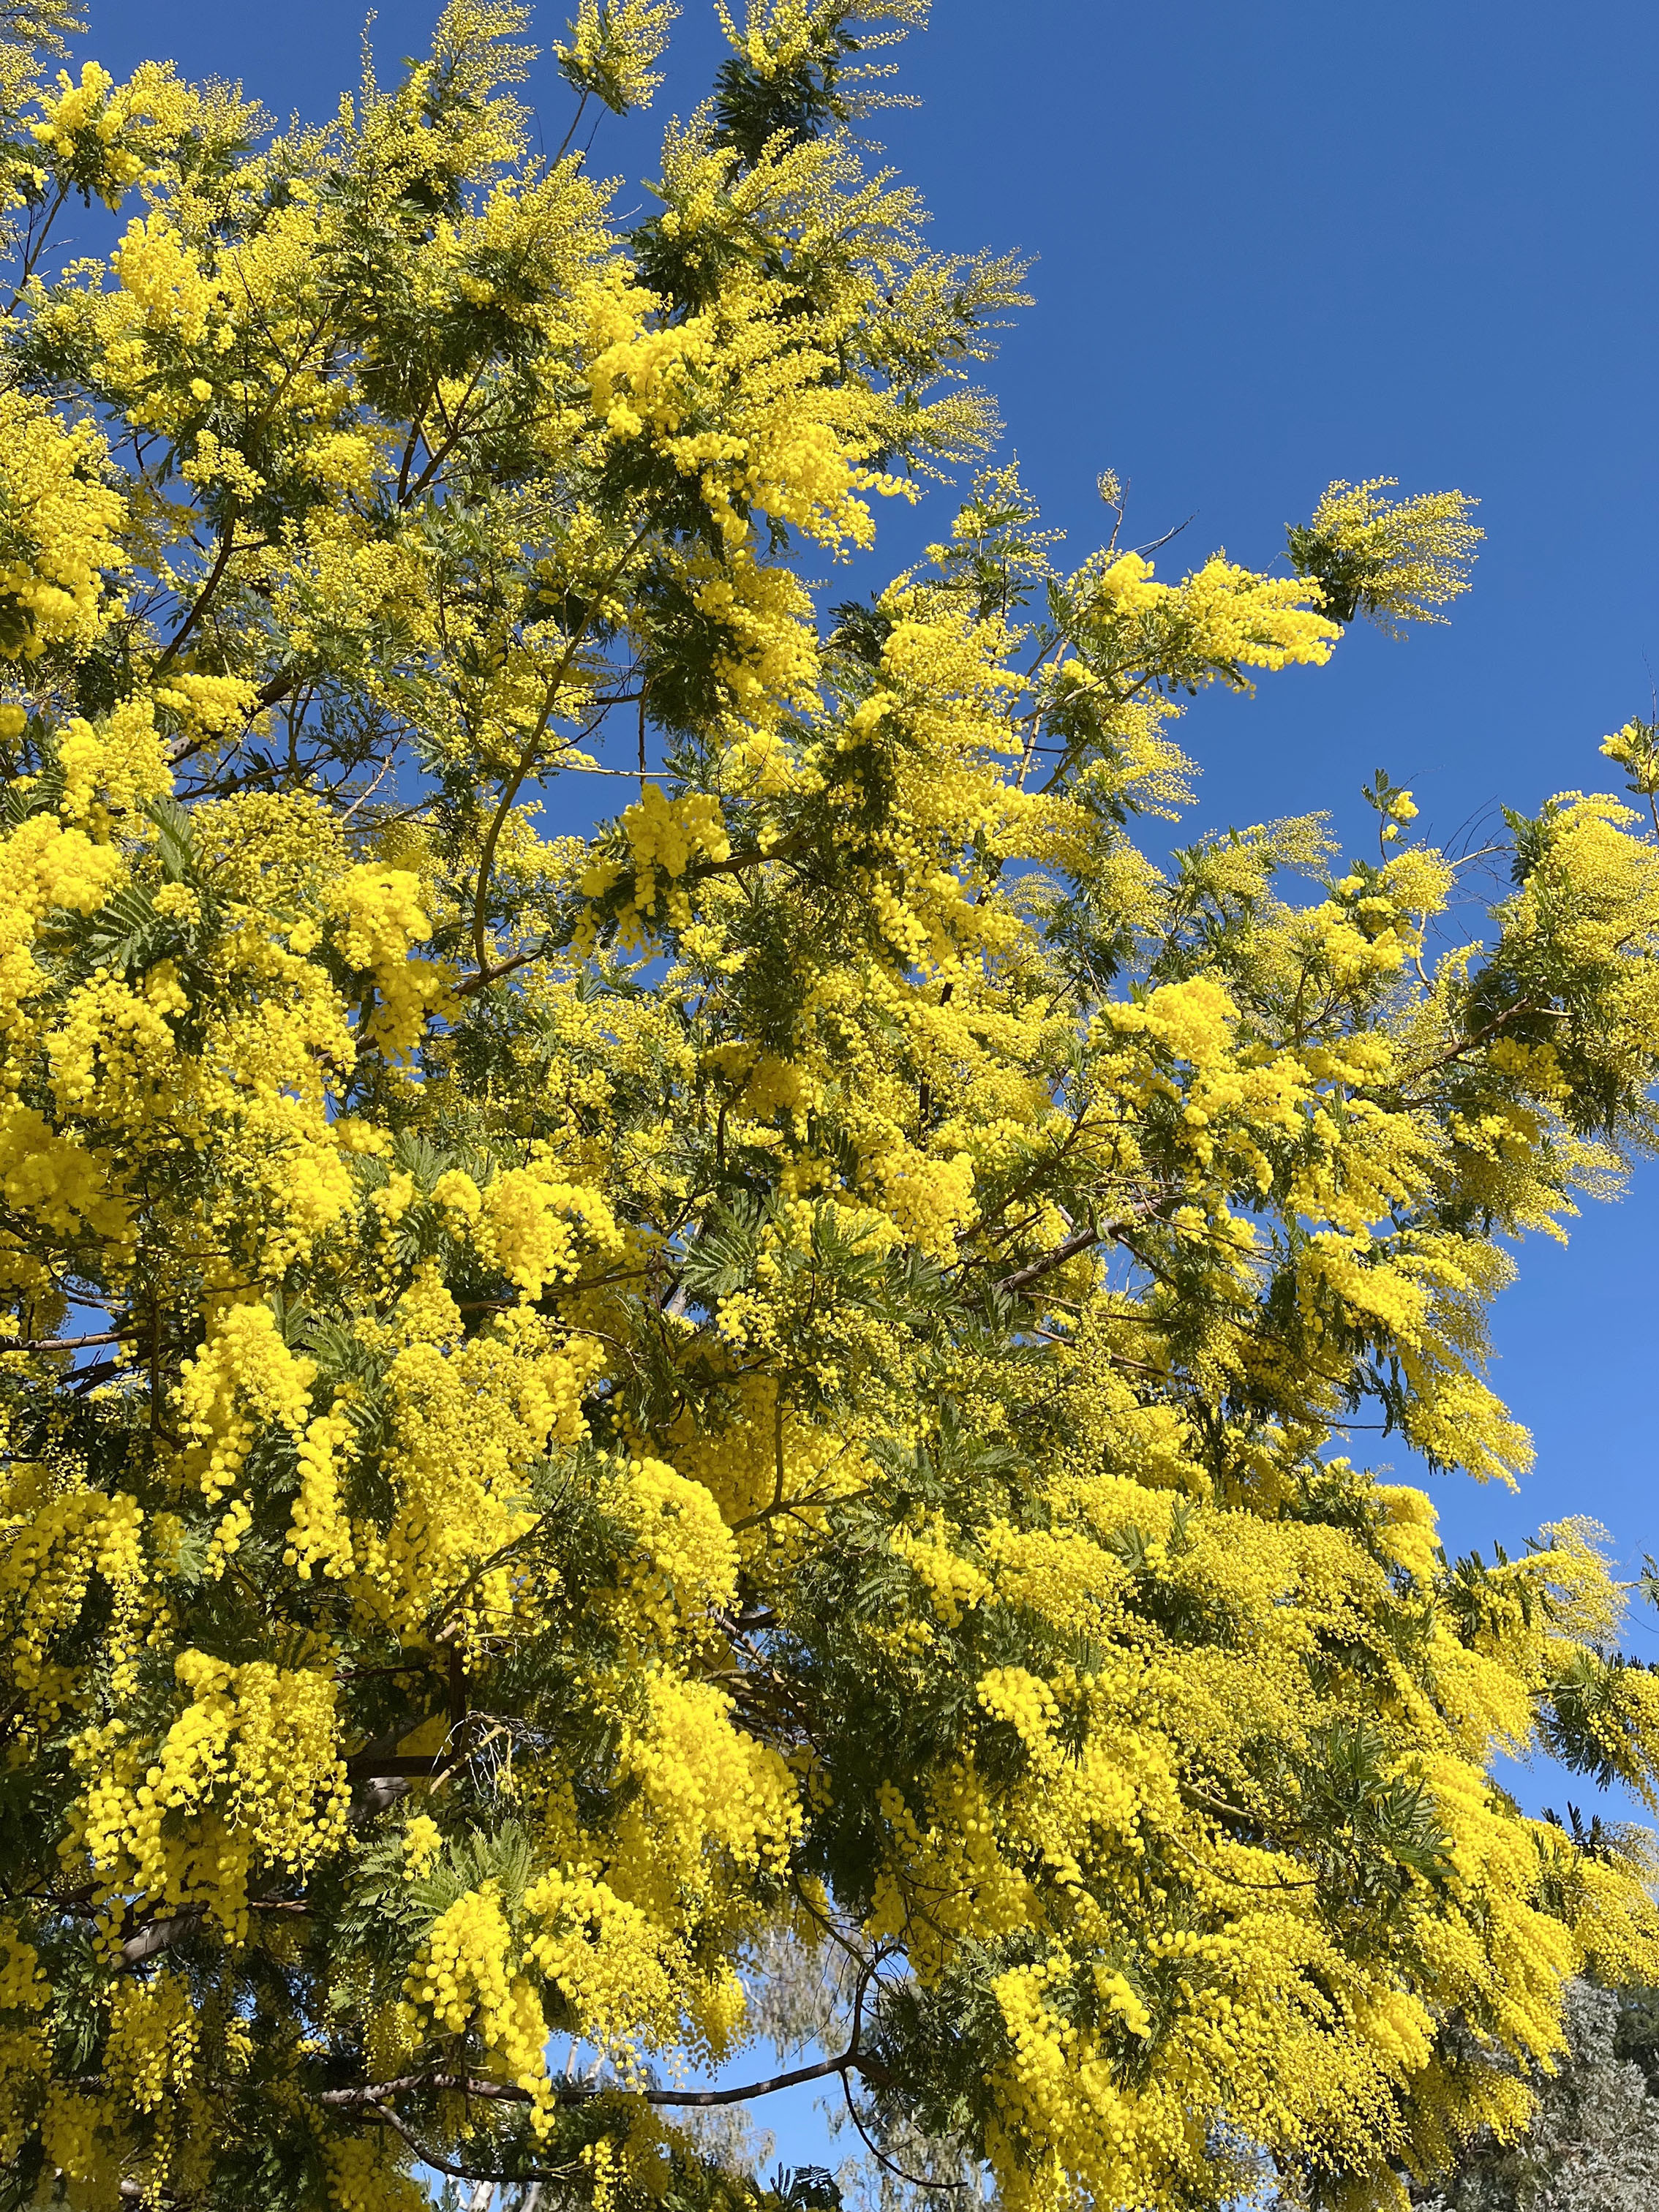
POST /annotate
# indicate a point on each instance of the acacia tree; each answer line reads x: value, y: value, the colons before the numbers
x: 579, y: 1410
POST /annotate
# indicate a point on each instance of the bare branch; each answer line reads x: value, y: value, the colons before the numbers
x: 371, y: 2094
x: 63, y: 1343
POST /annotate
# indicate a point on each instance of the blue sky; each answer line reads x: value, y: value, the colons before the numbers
x: 1275, y: 245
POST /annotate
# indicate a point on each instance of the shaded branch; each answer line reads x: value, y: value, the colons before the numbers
x: 371, y: 2096
x: 385, y: 2113
x: 1080, y: 1240
x: 199, y: 605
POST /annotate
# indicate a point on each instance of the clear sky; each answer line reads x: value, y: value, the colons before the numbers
x: 1277, y: 244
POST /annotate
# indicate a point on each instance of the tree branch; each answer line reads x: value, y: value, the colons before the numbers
x: 395, y: 1766
x: 372, y: 2093
x: 62, y: 1343
x: 1080, y: 1240
x: 751, y: 856
x: 158, y: 1936
x: 385, y: 2113
x: 199, y: 605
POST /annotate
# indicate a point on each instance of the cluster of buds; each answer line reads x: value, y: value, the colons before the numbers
x: 1636, y: 747
x: 1395, y: 806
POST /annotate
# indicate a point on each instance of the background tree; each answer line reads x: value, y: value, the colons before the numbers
x: 585, y: 1414
x: 1593, y: 2143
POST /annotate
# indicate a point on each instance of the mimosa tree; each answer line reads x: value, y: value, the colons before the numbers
x: 585, y: 1411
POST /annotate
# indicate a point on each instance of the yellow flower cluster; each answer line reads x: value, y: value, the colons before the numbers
x: 245, y: 1778
x: 58, y: 1538
x: 104, y: 135
x: 1398, y: 561
x: 320, y: 1534
x: 383, y: 920
x: 536, y: 1228
x: 662, y: 838
x: 687, y: 1562
x: 61, y: 525
x: 151, y: 2051
x: 23, y: 1987
x: 461, y: 1981
x: 1222, y: 615
x: 243, y: 1376
x: 604, y: 1956
x: 359, y: 2179
x: 112, y: 771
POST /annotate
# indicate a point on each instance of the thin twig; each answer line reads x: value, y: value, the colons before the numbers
x: 63, y: 1343
x: 199, y: 605
x: 385, y: 2113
